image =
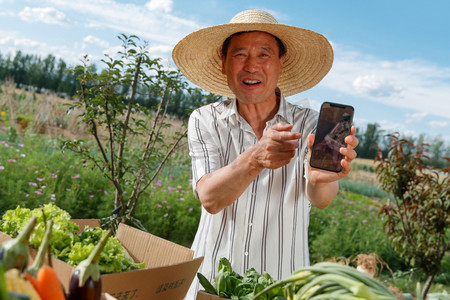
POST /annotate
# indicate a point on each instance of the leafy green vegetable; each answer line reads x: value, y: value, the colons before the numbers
x: 114, y: 257
x: 66, y: 243
x: 14, y: 220
x: 231, y: 285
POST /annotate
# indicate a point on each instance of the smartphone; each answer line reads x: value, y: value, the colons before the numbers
x: 335, y: 121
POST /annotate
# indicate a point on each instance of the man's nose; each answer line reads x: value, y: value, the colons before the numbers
x: 251, y: 64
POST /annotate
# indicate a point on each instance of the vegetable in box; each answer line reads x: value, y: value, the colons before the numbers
x: 67, y: 244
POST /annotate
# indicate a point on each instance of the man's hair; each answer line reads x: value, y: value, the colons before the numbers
x: 226, y: 44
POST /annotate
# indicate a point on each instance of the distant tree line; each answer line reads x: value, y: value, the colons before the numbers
x: 50, y: 74
x: 373, y: 139
x: 181, y: 104
x: 31, y: 71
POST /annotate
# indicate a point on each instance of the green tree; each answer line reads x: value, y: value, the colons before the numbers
x: 438, y: 151
x: 31, y: 71
x: 368, y: 141
x: 183, y: 103
x: 418, y: 215
x: 116, y: 122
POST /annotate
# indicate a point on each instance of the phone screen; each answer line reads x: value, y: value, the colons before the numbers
x: 335, y: 121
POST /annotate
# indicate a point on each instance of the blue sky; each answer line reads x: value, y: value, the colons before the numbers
x: 392, y: 58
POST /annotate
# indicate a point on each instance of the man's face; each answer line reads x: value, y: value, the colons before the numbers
x: 253, y: 66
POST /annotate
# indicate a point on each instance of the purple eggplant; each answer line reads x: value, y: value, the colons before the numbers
x: 85, y: 283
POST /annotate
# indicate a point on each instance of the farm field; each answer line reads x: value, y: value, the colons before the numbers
x: 34, y: 171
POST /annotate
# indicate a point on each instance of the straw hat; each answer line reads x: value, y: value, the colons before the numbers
x: 309, y: 55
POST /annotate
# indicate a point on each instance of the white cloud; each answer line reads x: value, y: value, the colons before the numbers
x: 416, y: 117
x: 375, y: 85
x: 5, y: 40
x: 112, y: 51
x: 131, y: 19
x: 160, y: 5
x: 90, y: 39
x: 160, y: 51
x: 390, y: 126
x: 438, y: 124
x: 48, y: 15
x: 411, y: 84
x: 11, y: 42
x: 6, y: 13
x: 27, y: 43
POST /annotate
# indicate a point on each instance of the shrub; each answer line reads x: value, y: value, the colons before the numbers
x: 418, y: 216
x: 349, y: 226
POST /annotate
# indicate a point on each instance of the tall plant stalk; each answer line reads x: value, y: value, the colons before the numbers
x: 109, y: 107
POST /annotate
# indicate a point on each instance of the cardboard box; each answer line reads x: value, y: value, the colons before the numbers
x: 106, y: 296
x: 170, y: 268
x: 205, y: 296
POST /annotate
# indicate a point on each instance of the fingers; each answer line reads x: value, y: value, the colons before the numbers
x: 281, y: 136
x: 277, y: 146
x: 351, y: 140
x: 310, y: 140
x: 282, y: 126
x: 280, y: 132
x: 349, y: 152
x: 346, y: 167
x: 346, y: 163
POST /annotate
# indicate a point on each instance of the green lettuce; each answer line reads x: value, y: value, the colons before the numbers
x: 67, y: 243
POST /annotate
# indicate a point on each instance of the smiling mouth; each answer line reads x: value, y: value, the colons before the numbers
x: 251, y: 82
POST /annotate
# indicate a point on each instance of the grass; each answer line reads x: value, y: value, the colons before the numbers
x: 34, y: 171
x: 351, y: 225
x: 363, y: 188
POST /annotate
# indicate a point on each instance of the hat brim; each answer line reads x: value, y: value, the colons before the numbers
x: 309, y: 56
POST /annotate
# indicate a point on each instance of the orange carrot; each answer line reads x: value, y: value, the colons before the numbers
x: 49, y: 287
x: 32, y: 280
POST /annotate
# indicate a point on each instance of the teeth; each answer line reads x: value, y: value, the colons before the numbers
x: 251, y: 81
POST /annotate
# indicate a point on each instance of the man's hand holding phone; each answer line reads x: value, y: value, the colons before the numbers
x: 347, y: 152
x: 322, y: 185
x: 332, y: 148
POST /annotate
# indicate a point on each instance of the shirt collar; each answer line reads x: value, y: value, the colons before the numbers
x: 229, y: 109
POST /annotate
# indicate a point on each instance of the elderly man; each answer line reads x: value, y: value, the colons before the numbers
x: 250, y: 153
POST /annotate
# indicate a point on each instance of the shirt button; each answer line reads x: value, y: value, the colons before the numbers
x: 246, y: 253
x: 250, y: 224
x: 253, y: 194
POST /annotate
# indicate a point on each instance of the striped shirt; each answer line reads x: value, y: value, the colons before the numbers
x: 266, y: 228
